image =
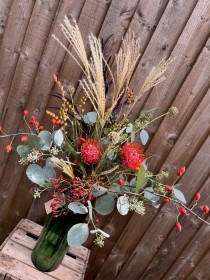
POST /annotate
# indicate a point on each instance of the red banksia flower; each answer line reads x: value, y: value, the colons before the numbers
x: 205, y: 209
x: 91, y: 151
x: 197, y: 196
x: 183, y: 211
x: 178, y: 226
x: 132, y: 155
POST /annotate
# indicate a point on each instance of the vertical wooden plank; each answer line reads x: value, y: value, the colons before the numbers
x: 165, y: 220
x: 90, y: 21
x: 143, y: 23
x: 50, y: 63
x: 4, y: 14
x: 31, y: 52
x: 15, y: 30
x: 187, y: 100
x: 193, y: 253
x: 161, y: 45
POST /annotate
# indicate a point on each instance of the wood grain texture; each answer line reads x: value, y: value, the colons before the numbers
x: 145, y: 247
x: 17, y: 250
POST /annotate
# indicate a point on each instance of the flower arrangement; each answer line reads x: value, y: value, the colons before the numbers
x: 93, y: 159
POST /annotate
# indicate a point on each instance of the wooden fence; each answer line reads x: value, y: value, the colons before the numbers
x: 146, y: 247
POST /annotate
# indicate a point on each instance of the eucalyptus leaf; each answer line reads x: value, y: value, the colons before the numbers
x: 123, y: 205
x: 144, y: 136
x: 105, y: 204
x: 46, y: 136
x: 58, y: 137
x: 133, y: 182
x: 148, y: 193
x: 92, y: 116
x: 35, y: 173
x: 23, y: 150
x: 140, y: 178
x: 133, y: 137
x: 35, y: 141
x: 129, y: 128
x: 78, y: 234
x: 78, y: 208
x: 179, y: 195
x: 49, y: 172
x: 98, y: 191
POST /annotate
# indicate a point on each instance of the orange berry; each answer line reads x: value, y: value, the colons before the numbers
x: 8, y: 148
x: 58, y: 122
x: 53, y: 121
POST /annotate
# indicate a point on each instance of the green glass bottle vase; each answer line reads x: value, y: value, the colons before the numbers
x: 52, y: 244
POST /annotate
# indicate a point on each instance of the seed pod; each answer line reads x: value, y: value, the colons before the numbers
x: 182, y: 210
x: 205, y: 209
x: 166, y: 200
x: 121, y: 182
x: 178, y: 226
x: 168, y: 188
x: 197, y: 196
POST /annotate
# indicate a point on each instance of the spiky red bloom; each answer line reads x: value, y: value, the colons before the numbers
x: 132, y: 155
x: 91, y: 151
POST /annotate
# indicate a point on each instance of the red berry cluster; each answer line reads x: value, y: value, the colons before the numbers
x: 81, y: 188
x: 57, y: 205
x: 33, y: 120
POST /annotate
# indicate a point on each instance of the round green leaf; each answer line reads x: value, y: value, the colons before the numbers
x: 78, y: 207
x: 78, y: 234
x: 58, y: 137
x: 46, y: 136
x: 123, y: 205
x: 23, y: 150
x: 144, y: 136
x: 49, y: 172
x: 105, y: 204
x: 35, y: 142
x: 35, y: 173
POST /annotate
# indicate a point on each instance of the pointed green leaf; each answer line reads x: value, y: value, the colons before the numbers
x: 140, y: 178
